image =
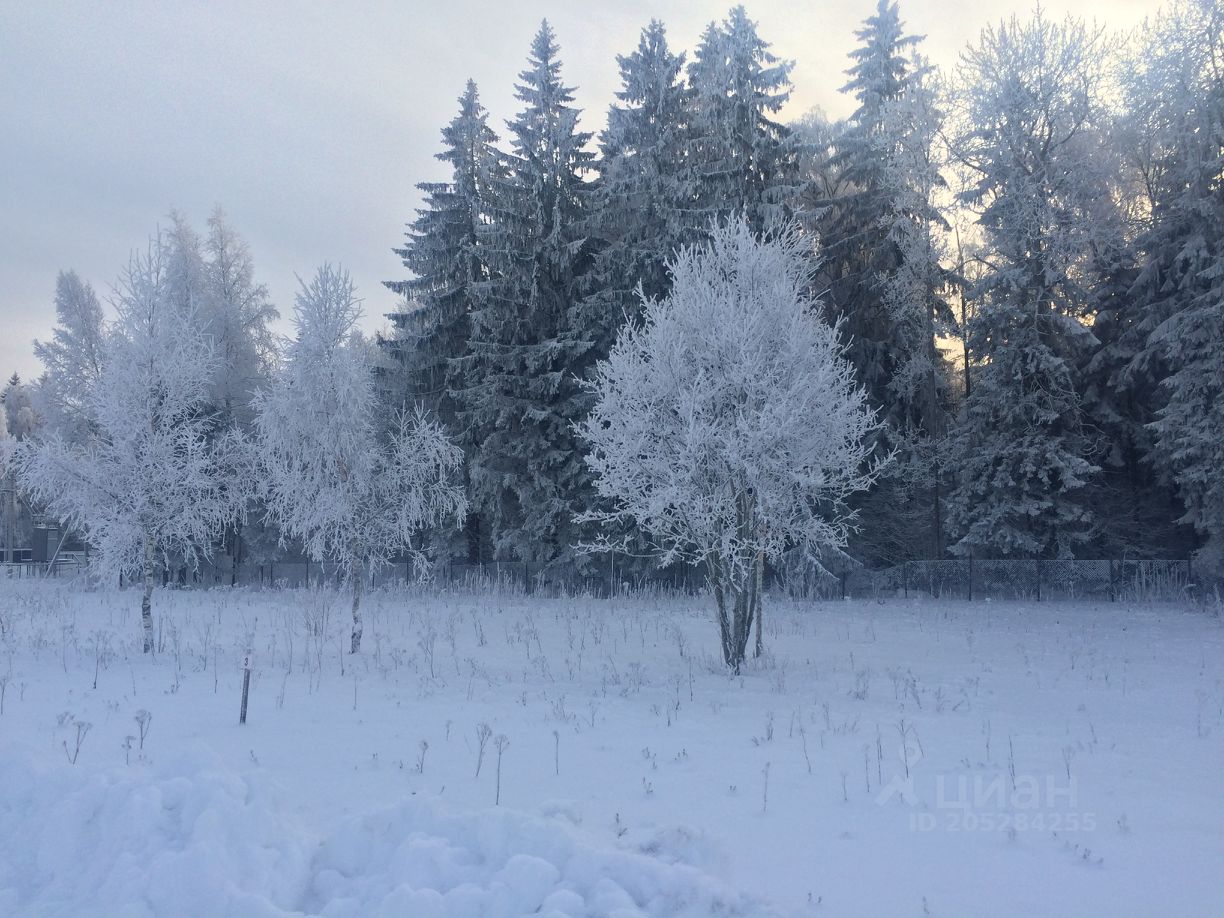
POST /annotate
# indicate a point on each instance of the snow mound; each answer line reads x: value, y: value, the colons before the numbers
x: 191, y: 838
x: 182, y: 838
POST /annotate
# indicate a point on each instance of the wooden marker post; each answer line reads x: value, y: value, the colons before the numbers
x: 246, y: 686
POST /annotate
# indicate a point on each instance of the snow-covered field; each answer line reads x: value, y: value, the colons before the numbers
x: 1063, y: 759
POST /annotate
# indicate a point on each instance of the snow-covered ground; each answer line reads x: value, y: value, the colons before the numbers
x: 1063, y: 759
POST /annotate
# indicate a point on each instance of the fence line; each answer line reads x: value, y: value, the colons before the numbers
x: 968, y: 579
x: 971, y: 579
x: 950, y: 579
x: 20, y: 570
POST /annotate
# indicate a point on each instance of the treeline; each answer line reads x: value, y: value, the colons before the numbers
x: 1022, y: 254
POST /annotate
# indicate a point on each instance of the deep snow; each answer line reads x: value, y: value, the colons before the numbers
x: 1064, y: 759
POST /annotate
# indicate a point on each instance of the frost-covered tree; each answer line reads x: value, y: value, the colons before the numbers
x: 8, y: 489
x: 431, y: 329
x: 145, y: 485
x: 819, y: 175
x: 442, y: 250
x: 914, y: 298
x: 521, y: 394
x: 72, y: 359
x: 21, y: 409
x: 740, y: 160
x: 727, y: 426
x: 882, y: 232
x: 238, y: 314
x: 1032, y: 110
x: 1132, y: 503
x: 335, y: 479
x: 641, y: 207
x: 913, y: 291
x: 1175, y: 114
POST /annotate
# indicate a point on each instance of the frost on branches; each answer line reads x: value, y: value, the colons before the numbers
x: 144, y: 483
x: 72, y: 359
x: 1032, y: 96
x: 727, y: 425
x: 351, y: 490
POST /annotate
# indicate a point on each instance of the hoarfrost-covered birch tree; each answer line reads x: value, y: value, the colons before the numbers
x: 727, y: 424
x: 352, y: 491
x: 144, y: 485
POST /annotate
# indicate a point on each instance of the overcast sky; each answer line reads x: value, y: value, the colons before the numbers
x: 311, y: 123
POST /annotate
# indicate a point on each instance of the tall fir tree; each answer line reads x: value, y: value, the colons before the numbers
x: 1134, y: 500
x: 639, y: 206
x: 881, y: 255
x: 740, y: 160
x: 1176, y: 99
x: 883, y: 237
x: 521, y: 395
x: 1031, y: 96
x: 431, y: 336
x: 432, y: 329
x: 638, y: 210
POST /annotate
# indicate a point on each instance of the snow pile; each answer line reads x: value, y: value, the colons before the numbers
x: 190, y: 838
x: 419, y: 859
x: 183, y: 838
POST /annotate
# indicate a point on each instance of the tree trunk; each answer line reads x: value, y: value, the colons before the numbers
x: 739, y: 617
x: 743, y: 605
x: 355, y: 572
x: 724, y: 623
x: 964, y: 313
x: 236, y: 553
x: 146, y: 599
x: 760, y: 602
x: 737, y: 583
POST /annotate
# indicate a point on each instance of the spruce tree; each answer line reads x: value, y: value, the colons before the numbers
x: 740, y: 160
x: 1176, y: 99
x: 430, y: 340
x: 1031, y: 96
x: 883, y: 235
x: 880, y: 247
x: 639, y: 200
x: 432, y: 329
x: 521, y: 395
